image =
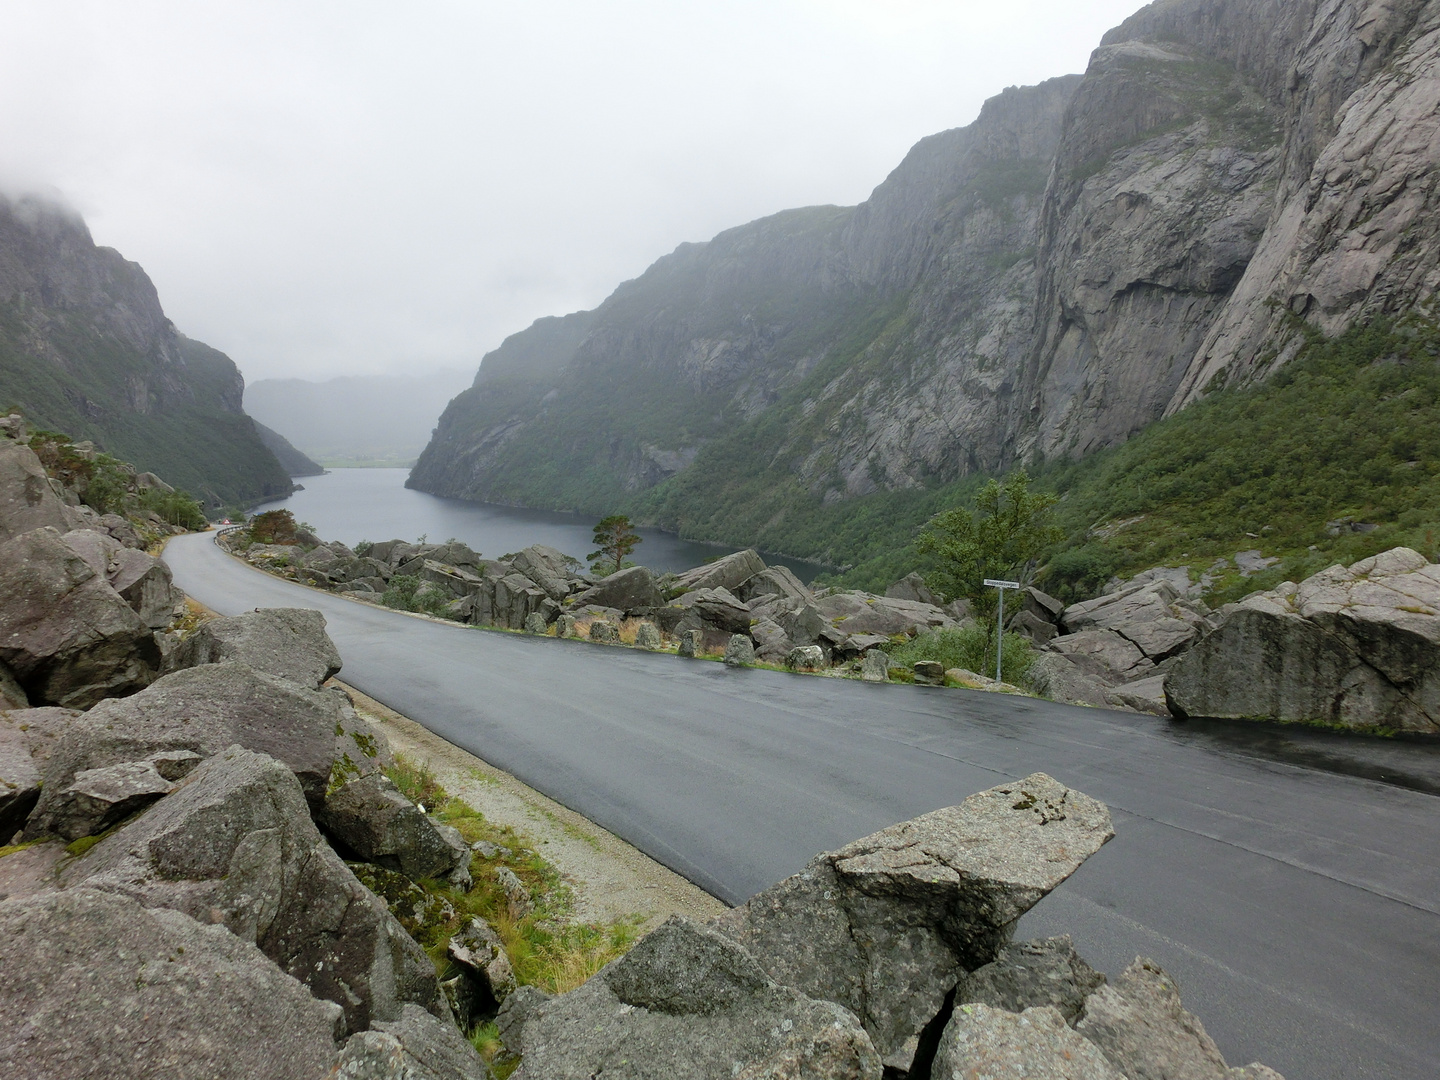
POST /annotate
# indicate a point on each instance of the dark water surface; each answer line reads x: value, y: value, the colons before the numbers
x: 351, y: 505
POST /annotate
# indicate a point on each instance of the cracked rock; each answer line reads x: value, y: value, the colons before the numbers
x: 887, y: 926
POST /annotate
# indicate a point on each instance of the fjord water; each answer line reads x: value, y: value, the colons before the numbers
x: 351, y: 505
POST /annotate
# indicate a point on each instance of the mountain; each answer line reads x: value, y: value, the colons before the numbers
x: 1088, y: 256
x: 293, y: 461
x: 86, y: 349
x: 356, y: 420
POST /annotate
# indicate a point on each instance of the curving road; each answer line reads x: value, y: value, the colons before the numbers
x: 1289, y: 880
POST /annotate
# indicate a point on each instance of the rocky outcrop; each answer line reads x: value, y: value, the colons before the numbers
x: 202, y: 711
x: 235, y: 845
x: 289, y: 643
x: 91, y: 978
x: 68, y: 637
x: 370, y: 817
x: 88, y: 351
x: 1355, y: 647
x: 888, y: 926
x: 27, y: 500
x: 687, y: 1002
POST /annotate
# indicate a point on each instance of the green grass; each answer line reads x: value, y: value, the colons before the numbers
x: 971, y: 648
x: 546, y: 949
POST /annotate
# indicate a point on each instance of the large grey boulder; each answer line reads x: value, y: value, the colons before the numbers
x: 1138, y: 1022
x: 235, y: 845
x: 714, y: 609
x: 1356, y: 647
x: 1104, y: 654
x: 290, y: 643
x: 479, y: 951
x: 69, y: 638
x: 777, y: 581
x: 1059, y: 678
x: 740, y: 652
x: 772, y: 644
x: 548, y: 568
x: 888, y: 925
x: 373, y: 819
x: 27, y: 737
x: 451, y: 580
x: 142, y: 580
x: 731, y: 572
x: 205, y: 709
x: 631, y: 589
x: 414, y: 1047
x: 1046, y: 971
x: 1037, y: 1044
x: 96, y: 985
x: 686, y: 1003
x: 95, y: 799
x: 912, y: 587
x: 27, y: 500
x: 865, y: 613
x: 1146, y: 614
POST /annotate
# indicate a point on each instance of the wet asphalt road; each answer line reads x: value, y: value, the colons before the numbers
x: 1290, y: 881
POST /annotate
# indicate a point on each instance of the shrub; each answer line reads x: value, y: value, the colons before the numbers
x: 175, y: 508
x: 969, y: 647
x: 406, y: 592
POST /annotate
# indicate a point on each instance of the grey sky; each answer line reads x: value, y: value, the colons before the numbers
x: 319, y: 188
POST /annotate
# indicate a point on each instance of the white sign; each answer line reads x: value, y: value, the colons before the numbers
x: 1002, y: 584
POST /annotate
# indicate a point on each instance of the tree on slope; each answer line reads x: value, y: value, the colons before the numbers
x: 615, y: 538
x: 1003, y: 536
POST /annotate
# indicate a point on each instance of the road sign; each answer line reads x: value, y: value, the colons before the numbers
x: 1000, y: 619
x: 1000, y: 584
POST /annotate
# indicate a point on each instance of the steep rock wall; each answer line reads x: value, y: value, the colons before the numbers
x: 85, y: 348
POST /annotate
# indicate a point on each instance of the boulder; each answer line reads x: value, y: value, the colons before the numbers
x: 1059, y: 678
x: 740, y: 652
x: 1030, y: 625
x: 1144, y: 613
x: 515, y: 598
x: 565, y: 626
x: 459, y: 555
x: 805, y: 625
x: 548, y: 568
x: 647, y: 636
x: 772, y: 644
x: 856, y: 644
x: 1106, y: 655
x: 515, y: 1012
x: 290, y: 643
x: 479, y: 950
x: 912, y: 587
x: 805, y: 658
x: 875, y: 666
x: 26, y: 499
x: 118, y: 527
x: 67, y: 636
x: 535, y: 623
x: 204, y: 710
x: 144, y: 583
x: 603, y: 631
x: 1139, y: 1024
x: 96, y: 985
x: 95, y: 799
x: 1047, y: 971
x: 450, y: 580
x: 517, y: 896
x: 415, y: 1047
x: 776, y: 581
x: 687, y: 1003
x: 631, y: 589
x: 730, y: 573
x: 1144, y: 696
x: 929, y: 672
x: 19, y: 780
x: 864, y: 613
x: 691, y: 643
x: 1037, y: 1044
x: 887, y: 926
x: 371, y: 818
x: 717, y: 609
x: 1353, y: 648
x: 235, y: 845
x: 1042, y: 605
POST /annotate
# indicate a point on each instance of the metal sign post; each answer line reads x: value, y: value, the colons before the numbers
x: 1000, y: 620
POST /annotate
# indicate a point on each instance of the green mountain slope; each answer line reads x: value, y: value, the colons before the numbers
x: 86, y: 349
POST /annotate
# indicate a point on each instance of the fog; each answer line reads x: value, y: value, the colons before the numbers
x: 331, y: 188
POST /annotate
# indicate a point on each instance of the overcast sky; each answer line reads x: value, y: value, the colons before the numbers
x: 324, y: 188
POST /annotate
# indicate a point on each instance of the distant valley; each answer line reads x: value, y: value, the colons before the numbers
x: 356, y: 421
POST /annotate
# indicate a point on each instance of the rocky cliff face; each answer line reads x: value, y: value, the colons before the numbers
x: 1089, y: 255
x: 85, y: 348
